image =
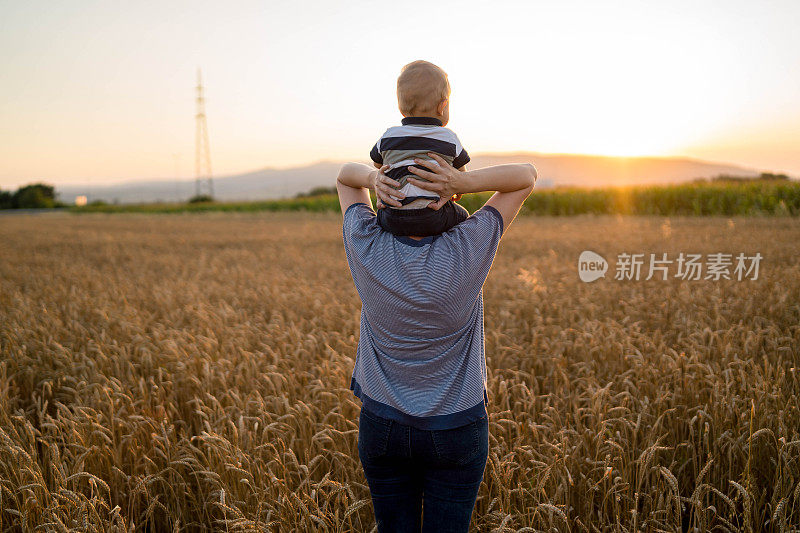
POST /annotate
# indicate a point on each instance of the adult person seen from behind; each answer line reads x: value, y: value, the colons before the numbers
x: 420, y: 368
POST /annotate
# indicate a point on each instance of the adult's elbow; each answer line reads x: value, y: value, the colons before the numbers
x: 533, y: 174
x: 342, y: 172
x: 530, y: 175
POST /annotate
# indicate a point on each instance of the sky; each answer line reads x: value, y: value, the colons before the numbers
x: 103, y: 91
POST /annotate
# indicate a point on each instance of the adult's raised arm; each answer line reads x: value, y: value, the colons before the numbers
x: 512, y: 183
x: 354, y: 182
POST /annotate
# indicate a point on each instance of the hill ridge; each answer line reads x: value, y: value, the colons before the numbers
x: 582, y: 170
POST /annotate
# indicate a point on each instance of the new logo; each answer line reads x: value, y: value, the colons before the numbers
x: 591, y: 266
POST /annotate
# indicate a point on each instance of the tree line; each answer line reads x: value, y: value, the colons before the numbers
x: 33, y: 196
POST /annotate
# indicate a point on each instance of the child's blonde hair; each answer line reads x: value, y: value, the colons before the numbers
x: 420, y: 87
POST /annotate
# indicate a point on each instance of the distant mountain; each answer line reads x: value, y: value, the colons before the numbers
x: 554, y: 170
x: 261, y: 184
x: 603, y: 171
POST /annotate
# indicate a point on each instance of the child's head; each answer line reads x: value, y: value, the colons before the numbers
x: 423, y: 90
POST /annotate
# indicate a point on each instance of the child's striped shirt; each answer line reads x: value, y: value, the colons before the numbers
x: 417, y: 136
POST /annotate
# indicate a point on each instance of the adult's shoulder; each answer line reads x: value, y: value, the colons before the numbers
x: 486, y: 219
x: 362, y: 236
x: 490, y: 212
x: 359, y: 224
x: 478, y: 235
x: 469, y: 249
x: 358, y: 209
x: 357, y: 213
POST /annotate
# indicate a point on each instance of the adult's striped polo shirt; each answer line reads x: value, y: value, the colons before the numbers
x: 417, y: 136
x: 420, y: 357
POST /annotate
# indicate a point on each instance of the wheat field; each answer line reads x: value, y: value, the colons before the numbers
x: 191, y: 373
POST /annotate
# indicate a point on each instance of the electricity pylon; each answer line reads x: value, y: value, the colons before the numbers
x: 202, y: 152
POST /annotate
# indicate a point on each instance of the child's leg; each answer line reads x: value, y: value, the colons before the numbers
x: 421, y: 222
x: 461, y: 214
x: 447, y: 216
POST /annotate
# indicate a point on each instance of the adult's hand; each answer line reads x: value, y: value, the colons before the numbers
x: 445, y: 180
x: 385, y: 188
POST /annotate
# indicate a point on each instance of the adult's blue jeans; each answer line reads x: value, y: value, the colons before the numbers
x: 422, y: 480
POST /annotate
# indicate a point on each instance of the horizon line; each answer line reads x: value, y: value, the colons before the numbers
x: 124, y: 181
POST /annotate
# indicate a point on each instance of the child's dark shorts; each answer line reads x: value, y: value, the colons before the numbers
x: 421, y: 222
